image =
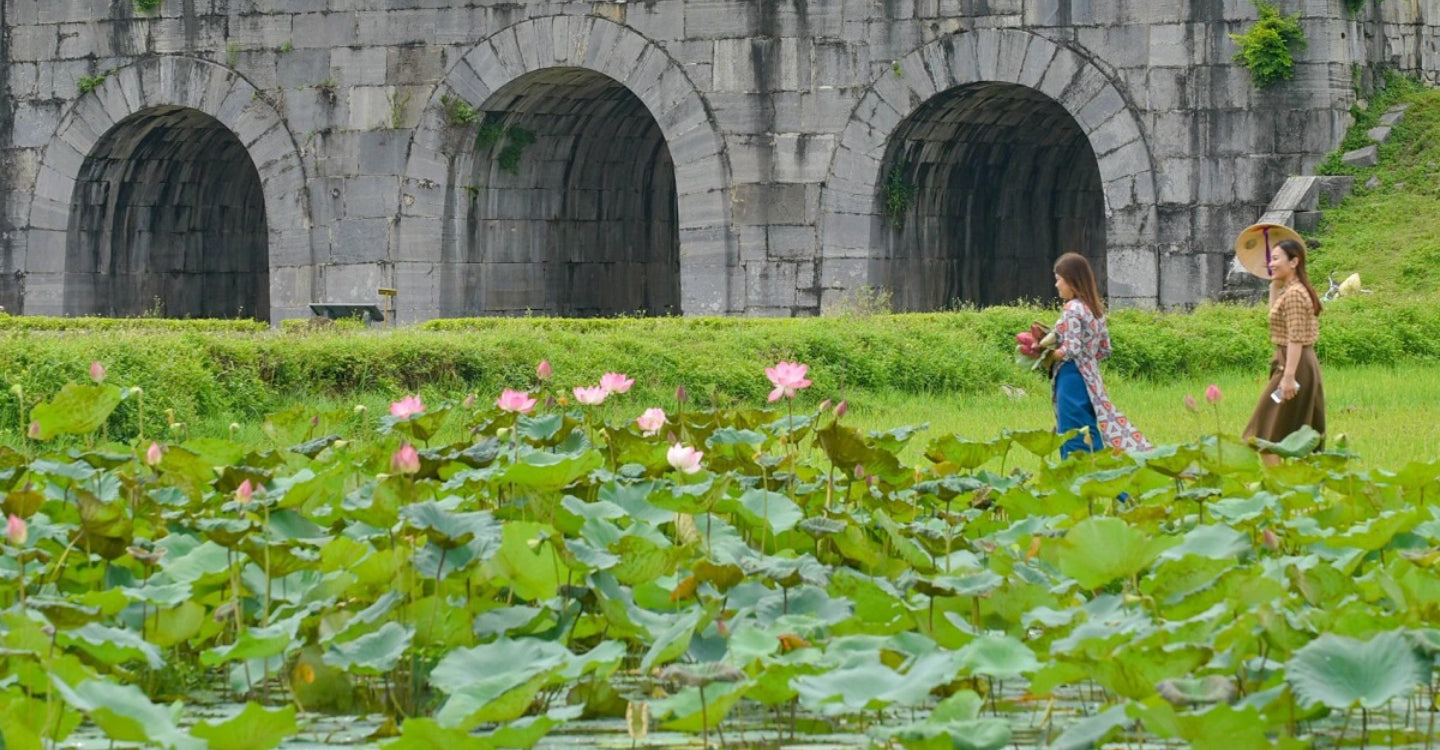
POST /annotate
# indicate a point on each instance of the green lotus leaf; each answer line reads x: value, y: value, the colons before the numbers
x: 540, y: 428
x: 1230, y: 459
x: 1236, y: 511
x: 760, y: 507
x: 1377, y: 532
x: 672, y: 642
x: 551, y: 471
x: 1297, y: 444
x: 164, y: 595
x: 226, y: 532
x: 634, y: 500
x: 643, y: 560
x: 847, y: 449
x: 1341, y: 672
x: 976, y: 734
x: 687, y: 712
x: 257, y: 643
x: 170, y: 627
x: 189, y: 562
x: 124, y: 713
x: 525, y: 732
x: 78, y: 409
x: 63, y: 614
x: 819, y: 526
x: 1109, y: 483
x: 423, y: 733
x: 879, y: 608
x: 1100, y: 550
x: 111, y: 645
x: 496, y: 681
x: 254, y: 728
x: 372, y: 653
x: 1214, y: 541
x: 1417, y: 475
x: 1002, y: 657
x: 1041, y: 443
x: 532, y: 569
x: 966, y: 455
x: 449, y: 529
x: 1091, y: 732
x: 1169, y: 460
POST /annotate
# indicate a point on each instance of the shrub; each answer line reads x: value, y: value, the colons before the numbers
x: 1267, y: 48
x: 222, y: 369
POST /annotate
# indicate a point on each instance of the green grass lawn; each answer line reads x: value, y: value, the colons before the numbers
x: 1389, y: 416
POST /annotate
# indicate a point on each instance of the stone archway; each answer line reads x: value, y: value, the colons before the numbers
x: 986, y: 136
x: 626, y: 167
x: 130, y: 144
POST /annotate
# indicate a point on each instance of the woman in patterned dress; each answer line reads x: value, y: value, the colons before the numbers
x: 1083, y: 340
x: 1294, y: 371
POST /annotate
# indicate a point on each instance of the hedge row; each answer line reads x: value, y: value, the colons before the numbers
x: 250, y: 373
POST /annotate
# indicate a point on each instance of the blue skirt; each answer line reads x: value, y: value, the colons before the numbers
x: 1073, y: 410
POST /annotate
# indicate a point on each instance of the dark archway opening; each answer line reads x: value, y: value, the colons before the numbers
x: 168, y: 219
x: 981, y: 189
x: 571, y: 204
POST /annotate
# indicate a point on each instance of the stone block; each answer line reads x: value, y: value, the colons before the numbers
x: 360, y: 240
x: 1361, y: 157
x: 1378, y: 134
x: 1307, y: 221
x: 1392, y: 118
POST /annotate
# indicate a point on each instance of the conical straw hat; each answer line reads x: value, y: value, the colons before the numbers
x: 1254, y: 245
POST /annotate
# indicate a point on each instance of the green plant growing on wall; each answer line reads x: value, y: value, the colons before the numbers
x: 398, y: 103
x: 516, y: 139
x: 1267, y: 48
x: 147, y: 6
x: 90, y: 83
x: 1355, y: 6
x: 493, y: 131
x: 458, y: 112
x: 897, y: 195
x: 232, y: 54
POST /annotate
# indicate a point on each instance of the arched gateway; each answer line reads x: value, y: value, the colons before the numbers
x: 174, y: 188
x: 590, y: 180
x: 976, y: 161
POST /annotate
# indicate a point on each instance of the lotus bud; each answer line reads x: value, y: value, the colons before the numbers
x: 34, y: 431
x: 543, y: 370
x: 469, y: 401
x: 136, y: 391
x: 859, y: 471
x: 314, y: 422
x: 153, y: 454
x: 1271, y: 540
x: 1212, y: 394
x: 15, y: 531
x: 1190, y: 403
x: 360, y: 409
x: 406, y: 460
x: 245, y: 492
x: 235, y: 428
x: 682, y: 395
x: 841, y: 409
x: 825, y: 404
x: 97, y: 372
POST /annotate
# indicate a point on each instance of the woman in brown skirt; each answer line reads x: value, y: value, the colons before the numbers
x: 1295, y: 395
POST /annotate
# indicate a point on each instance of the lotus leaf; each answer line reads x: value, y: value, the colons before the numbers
x: 1297, y: 444
x: 1002, y: 657
x: 1100, y: 550
x: 1342, y: 672
x: 124, y: 713
x: 78, y: 409
x: 496, y: 681
x: 976, y: 734
x: 372, y: 653
x: 254, y: 728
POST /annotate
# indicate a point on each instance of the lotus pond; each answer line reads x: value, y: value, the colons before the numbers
x: 754, y: 577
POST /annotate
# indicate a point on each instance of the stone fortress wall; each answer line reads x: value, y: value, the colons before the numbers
x: 738, y: 157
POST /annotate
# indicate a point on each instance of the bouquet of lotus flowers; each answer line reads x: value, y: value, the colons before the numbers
x: 1035, y: 348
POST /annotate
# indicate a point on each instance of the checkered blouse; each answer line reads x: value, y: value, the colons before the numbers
x: 1293, y: 319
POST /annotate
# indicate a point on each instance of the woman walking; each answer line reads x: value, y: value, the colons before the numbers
x: 1082, y: 340
x: 1295, y: 395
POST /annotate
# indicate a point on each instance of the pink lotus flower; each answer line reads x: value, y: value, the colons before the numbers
x: 407, y: 407
x: 406, y: 460
x: 1212, y: 394
x: 97, y: 372
x: 543, y: 370
x: 788, y: 378
x: 245, y: 492
x: 153, y: 454
x: 592, y: 395
x: 683, y: 458
x: 1190, y: 403
x: 15, y: 531
x: 616, y: 382
x: 515, y: 401
x: 651, y: 421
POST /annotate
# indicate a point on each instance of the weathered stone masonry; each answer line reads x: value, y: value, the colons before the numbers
x: 756, y: 157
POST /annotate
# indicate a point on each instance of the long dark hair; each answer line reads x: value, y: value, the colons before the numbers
x: 1294, y: 250
x: 1075, y: 270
